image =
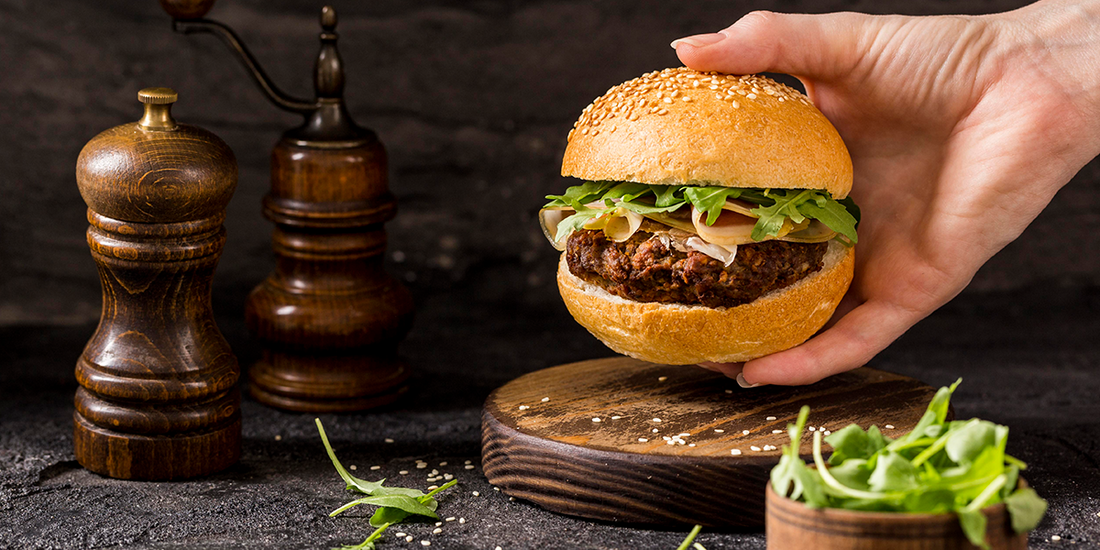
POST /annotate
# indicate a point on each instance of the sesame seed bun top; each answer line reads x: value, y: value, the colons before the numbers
x: 684, y: 127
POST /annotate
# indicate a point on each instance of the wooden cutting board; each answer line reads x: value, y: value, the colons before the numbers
x: 623, y: 440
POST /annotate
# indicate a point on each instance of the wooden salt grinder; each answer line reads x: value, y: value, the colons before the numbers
x: 329, y: 318
x: 158, y: 395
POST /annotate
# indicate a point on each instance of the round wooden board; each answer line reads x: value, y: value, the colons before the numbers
x: 541, y: 440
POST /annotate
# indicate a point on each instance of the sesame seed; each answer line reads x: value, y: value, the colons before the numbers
x: 404, y: 472
x: 409, y: 538
x: 667, y: 438
x: 421, y: 465
x: 469, y: 466
x: 432, y: 487
x: 595, y: 419
x: 426, y: 542
x: 770, y: 418
x: 375, y: 467
x: 442, y: 463
x: 1055, y: 538
x: 691, y: 444
x: 714, y: 86
x: 656, y: 419
x: 655, y: 430
x: 400, y: 535
x: 643, y: 440
x: 744, y: 432
x: 687, y: 99
x: 729, y: 391
x: 525, y: 407
x: 827, y: 432
x: 662, y: 378
x: 717, y: 431
x: 615, y: 417
x: 545, y: 399
x: 813, y: 429
x: 511, y: 499
x: 662, y: 112
x: 498, y: 548
x: 777, y: 431
x: 469, y: 462
x: 436, y: 531
x: 495, y: 488
x: 751, y: 96
x: 434, y: 472
x: 452, y: 518
x: 477, y: 494
x: 735, y: 452
x: 388, y: 440
x: 889, y: 426
x: 685, y: 434
x: 462, y: 520
x: 448, y: 477
x: 278, y: 438
x: 353, y: 467
x: 754, y: 448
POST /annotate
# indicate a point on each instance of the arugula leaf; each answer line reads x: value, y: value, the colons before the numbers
x: 973, y: 525
x: 354, y: 483
x: 369, y: 543
x: 892, y: 473
x: 833, y: 214
x: 964, y: 444
x: 1026, y: 508
x: 394, y: 515
x: 710, y: 199
x: 407, y: 504
x: 691, y: 537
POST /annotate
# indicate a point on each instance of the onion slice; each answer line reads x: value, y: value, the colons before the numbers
x: 549, y: 218
x: 724, y: 254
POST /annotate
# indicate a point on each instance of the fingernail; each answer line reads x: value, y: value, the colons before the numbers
x: 699, y: 40
x: 743, y: 383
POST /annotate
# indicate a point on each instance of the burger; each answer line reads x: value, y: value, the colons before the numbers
x: 711, y: 221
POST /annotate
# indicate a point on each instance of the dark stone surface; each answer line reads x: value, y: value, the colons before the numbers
x: 473, y: 100
x: 1028, y: 358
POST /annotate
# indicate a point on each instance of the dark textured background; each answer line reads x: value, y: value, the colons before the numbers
x: 473, y: 101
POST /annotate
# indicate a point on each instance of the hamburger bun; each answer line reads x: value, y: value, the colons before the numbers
x: 676, y: 334
x: 683, y: 127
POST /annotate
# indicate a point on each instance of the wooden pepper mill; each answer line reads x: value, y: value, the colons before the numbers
x: 329, y: 318
x: 158, y: 395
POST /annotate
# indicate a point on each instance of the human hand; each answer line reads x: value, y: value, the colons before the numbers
x: 961, y: 130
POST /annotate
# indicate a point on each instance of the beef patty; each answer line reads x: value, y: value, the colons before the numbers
x: 644, y: 269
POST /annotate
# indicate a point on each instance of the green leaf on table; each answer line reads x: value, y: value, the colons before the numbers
x: 394, y: 515
x: 1026, y: 508
x: 404, y: 503
x: 354, y: 483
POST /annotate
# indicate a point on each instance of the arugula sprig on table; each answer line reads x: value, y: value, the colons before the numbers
x: 938, y: 467
x: 395, y: 504
x: 774, y: 205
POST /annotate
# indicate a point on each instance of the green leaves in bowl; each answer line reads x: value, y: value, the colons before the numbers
x: 939, y: 467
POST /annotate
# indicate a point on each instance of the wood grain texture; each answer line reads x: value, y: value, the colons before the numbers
x: 556, y: 454
x: 158, y: 397
x: 791, y: 524
x: 329, y: 317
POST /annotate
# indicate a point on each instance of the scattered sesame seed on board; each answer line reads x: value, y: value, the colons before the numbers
x: 442, y: 463
x: 353, y: 467
x: 525, y: 407
x: 718, y: 431
x: 432, y: 487
x: 691, y: 444
x: 498, y: 548
x: 777, y: 431
x: 421, y: 465
x: 477, y: 494
x: 437, y: 530
x: 754, y: 448
x: 744, y: 432
x: 375, y: 467
x: 469, y: 466
x: 813, y: 429
x: 615, y: 417
x: 462, y: 520
x: 889, y: 426
x: 643, y: 440
x: 1055, y: 538
x: 438, y: 523
x: 404, y: 472
x: 452, y: 518
x: 388, y: 440
x: 408, y: 538
x: 729, y: 391
x: 545, y: 399
x: 278, y: 438
x: 595, y: 419
x: 401, y: 535
x: 655, y: 430
x: 494, y: 488
x: 448, y: 477
x: 511, y: 499
x: 735, y: 452
x: 656, y: 419
x: 468, y: 462
x: 770, y: 418
x: 426, y: 542
x: 662, y: 378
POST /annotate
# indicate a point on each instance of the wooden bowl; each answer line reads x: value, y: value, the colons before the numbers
x: 791, y: 524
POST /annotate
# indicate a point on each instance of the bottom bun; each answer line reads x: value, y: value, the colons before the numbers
x: 676, y: 334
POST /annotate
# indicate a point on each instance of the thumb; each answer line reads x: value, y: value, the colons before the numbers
x: 818, y: 47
